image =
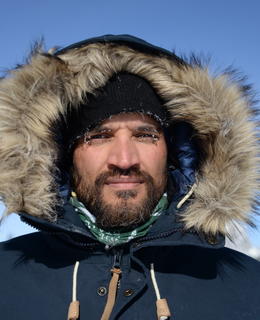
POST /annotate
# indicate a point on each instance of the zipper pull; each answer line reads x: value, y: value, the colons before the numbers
x: 113, y: 285
x: 117, y: 258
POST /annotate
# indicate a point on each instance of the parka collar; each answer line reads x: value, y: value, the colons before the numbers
x: 168, y: 230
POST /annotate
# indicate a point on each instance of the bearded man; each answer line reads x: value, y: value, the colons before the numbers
x: 132, y: 163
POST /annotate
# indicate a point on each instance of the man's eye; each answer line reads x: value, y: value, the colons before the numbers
x: 96, y: 139
x: 147, y: 137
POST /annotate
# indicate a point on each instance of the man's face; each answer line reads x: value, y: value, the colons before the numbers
x: 119, y: 170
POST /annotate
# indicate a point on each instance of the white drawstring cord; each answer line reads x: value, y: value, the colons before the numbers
x: 163, y: 311
x: 74, y: 288
x: 73, y: 313
x: 155, y: 285
x: 186, y: 197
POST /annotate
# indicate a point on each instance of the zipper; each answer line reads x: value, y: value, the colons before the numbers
x: 160, y: 236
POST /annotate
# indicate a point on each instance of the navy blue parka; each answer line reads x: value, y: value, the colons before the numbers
x: 198, y: 276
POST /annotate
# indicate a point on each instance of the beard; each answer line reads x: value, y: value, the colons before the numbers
x: 122, y: 214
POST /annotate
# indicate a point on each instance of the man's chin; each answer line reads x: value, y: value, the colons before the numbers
x: 124, y: 196
x: 121, y: 215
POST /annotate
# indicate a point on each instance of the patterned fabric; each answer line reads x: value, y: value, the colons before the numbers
x: 117, y: 238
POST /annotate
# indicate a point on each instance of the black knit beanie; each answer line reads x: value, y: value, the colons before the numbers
x: 123, y: 93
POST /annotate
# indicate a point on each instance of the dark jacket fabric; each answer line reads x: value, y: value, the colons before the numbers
x: 212, y: 186
x: 200, y: 279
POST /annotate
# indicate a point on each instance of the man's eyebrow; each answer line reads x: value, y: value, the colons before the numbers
x: 149, y: 128
x: 99, y: 129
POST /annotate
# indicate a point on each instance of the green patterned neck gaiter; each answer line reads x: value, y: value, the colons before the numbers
x: 116, y: 238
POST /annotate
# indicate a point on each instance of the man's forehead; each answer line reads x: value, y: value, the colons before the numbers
x: 130, y: 120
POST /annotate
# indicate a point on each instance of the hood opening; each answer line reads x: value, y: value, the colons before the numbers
x: 216, y: 107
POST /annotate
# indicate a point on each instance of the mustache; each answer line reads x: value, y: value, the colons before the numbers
x: 117, y: 172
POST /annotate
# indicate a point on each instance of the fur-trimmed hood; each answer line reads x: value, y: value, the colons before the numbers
x: 34, y: 96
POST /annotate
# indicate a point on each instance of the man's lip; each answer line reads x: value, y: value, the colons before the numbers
x: 124, y: 184
x: 127, y: 180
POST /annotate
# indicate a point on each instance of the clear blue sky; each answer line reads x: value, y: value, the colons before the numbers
x: 228, y: 31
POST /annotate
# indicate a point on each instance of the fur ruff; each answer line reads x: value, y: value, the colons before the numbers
x: 33, y: 96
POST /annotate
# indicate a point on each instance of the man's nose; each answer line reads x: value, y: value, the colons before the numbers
x: 123, y: 154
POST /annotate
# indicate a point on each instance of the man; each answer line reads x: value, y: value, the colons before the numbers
x: 132, y: 163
